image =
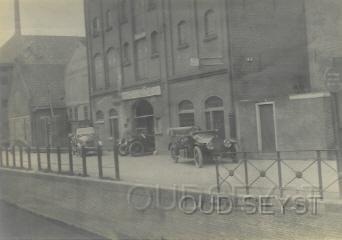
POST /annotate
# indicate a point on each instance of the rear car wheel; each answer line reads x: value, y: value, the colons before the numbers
x: 198, y: 156
x: 136, y: 148
x: 174, y: 153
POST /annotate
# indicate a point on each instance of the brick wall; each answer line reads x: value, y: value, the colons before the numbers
x: 302, y: 124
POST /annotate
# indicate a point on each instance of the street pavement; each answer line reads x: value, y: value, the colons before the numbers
x: 160, y: 170
x: 16, y: 223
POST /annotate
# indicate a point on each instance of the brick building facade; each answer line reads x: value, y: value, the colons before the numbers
x: 77, y: 88
x: 229, y: 65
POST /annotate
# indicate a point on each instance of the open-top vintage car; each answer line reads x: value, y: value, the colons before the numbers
x: 87, y: 139
x: 201, y: 146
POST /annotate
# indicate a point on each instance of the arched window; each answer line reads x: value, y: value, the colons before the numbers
x: 154, y: 44
x: 109, y: 20
x: 99, y: 72
x: 99, y: 116
x: 96, y: 27
x: 209, y: 23
x: 186, y: 114
x: 114, y: 123
x: 181, y: 30
x: 214, y: 115
x: 125, y: 54
x: 113, y: 67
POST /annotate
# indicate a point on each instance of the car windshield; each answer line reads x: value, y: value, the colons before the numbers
x: 85, y: 131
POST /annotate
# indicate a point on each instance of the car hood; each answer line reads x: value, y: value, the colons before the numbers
x: 203, y: 138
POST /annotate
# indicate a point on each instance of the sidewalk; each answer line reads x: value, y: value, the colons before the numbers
x: 160, y: 170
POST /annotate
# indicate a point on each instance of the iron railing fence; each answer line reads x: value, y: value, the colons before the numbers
x: 281, y: 172
x: 59, y: 160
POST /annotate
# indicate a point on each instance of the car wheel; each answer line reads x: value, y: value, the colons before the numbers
x: 174, y: 153
x: 198, y: 156
x: 123, y: 150
x: 136, y: 148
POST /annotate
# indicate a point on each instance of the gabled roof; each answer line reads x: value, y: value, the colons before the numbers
x: 35, y: 49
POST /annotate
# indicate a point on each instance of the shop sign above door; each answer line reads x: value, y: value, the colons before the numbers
x: 141, y: 93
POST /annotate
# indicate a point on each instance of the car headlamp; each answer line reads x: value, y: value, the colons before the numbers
x: 210, y: 145
x: 100, y: 143
x: 227, y: 143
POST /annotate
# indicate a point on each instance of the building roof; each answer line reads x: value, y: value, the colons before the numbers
x: 39, y: 63
x: 36, y: 49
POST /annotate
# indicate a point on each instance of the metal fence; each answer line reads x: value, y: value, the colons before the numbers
x: 58, y: 160
x: 282, y: 172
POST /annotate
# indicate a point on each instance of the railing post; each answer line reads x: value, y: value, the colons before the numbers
x: 116, y: 160
x: 59, y: 161
x: 21, y: 157
x: 71, y: 164
x: 246, y: 171
x: 319, y: 168
x: 7, y: 157
x: 99, y: 160
x: 29, y: 165
x: 280, y: 176
x: 1, y: 150
x: 13, y: 157
x: 38, y: 159
x: 48, y: 155
x: 217, y: 175
x: 84, y: 161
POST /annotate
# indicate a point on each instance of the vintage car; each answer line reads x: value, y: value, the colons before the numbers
x: 201, y: 146
x: 86, y: 138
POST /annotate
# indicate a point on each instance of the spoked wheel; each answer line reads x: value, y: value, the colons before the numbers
x: 198, y: 156
x: 174, y: 153
x: 136, y: 148
x: 123, y: 150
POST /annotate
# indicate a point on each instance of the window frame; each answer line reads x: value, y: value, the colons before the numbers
x: 109, y: 20
x: 209, y: 34
x: 155, y: 47
x: 96, y: 27
x: 182, y: 112
x: 182, y: 40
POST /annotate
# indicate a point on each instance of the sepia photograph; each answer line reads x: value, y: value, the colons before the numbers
x: 171, y: 119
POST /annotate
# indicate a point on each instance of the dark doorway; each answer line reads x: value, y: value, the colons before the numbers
x: 144, y: 120
x: 267, y: 139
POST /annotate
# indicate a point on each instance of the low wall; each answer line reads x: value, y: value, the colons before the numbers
x: 103, y: 207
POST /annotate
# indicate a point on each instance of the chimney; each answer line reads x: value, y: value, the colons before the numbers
x: 17, y: 22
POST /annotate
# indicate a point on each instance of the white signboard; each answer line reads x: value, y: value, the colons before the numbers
x: 140, y: 93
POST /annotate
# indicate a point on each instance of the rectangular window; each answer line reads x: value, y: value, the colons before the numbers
x: 86, y: 112
x: 186, y: 119
x: 109, y: 20
x: 96, y: 27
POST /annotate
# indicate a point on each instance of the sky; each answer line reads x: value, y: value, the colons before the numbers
x: 43, y: 17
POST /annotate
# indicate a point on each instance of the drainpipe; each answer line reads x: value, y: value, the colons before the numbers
x: 232, y: 114
x: 89, y: 50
